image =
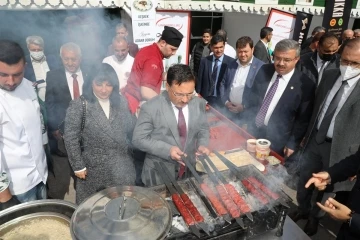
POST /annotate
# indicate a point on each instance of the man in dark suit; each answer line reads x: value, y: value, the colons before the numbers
x: 238, y: 79
x: 332, y: 129
x: 308, y: 41
x: 281, y: 100
x: 63, y: 85
x: 211, y: 72
x: 171, y: 125
x: 261, y: 50
x: 349, y: 214
x: 37, y: 64
x: 325, y: 57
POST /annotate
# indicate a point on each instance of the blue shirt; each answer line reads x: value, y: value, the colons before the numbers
x: 217, y: 75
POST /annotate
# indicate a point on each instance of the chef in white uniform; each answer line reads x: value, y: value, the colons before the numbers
x: 23, y: 168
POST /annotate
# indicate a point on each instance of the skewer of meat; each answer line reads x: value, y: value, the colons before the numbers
x: 263, y: 188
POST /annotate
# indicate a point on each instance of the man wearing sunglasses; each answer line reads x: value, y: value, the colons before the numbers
x: 171, y: 126
x: 333, y: 132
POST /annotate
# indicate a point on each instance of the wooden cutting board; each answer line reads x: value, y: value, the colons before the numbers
x: 240, y: 158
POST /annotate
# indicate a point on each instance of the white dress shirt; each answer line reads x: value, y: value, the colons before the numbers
x: 321, y: 65
x: 283, y: 82
x: 22, y: 155
x: 347, y: 91
x: 40, y: 70
x: 238, y: 85
x: 122, y: 68
x: 70, y: 81
x: 185, y: 111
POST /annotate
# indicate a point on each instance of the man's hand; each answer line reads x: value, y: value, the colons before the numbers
x: 57, y: 135
x: 288, y: 152
x: 320, y: 180
x: 81, y: 175
x: 336, y: 210
x: 176, y: 154
x: 202, y: 150
x: 235, y: 108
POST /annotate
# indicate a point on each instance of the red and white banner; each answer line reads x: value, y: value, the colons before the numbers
x: 282, y: 23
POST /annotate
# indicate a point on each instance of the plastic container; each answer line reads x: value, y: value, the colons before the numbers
x: 251, y: 145
x: 262, y: 149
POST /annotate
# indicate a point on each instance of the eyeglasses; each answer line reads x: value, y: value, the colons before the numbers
x: 181, y: 95
x: 349, y: 63
x: 285, y: 60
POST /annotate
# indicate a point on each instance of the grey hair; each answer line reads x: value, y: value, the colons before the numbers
x: 357, y: 30
x: 119, y: 39
x: 288, y: 44
x: 71, y: 47
x: 36, y: 40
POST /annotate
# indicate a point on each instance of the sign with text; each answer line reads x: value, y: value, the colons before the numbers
x: 302, y: 25
x: 143, y: 14
x: 282, y: 23
x: 336, y: 16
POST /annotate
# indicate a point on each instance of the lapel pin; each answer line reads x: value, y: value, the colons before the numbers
x: 292, y: 87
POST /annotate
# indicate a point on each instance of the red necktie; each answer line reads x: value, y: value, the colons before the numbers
x: 182, y: 134
x: 76, y: 90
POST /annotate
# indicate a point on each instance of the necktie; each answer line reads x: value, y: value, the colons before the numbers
x: 213, y: 77
x: 326, y: 121
x: 182, y: 134
x: 76, y: 90
x: 260, y: 117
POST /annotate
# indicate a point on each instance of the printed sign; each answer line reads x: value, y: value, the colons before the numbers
x: 302, y: 25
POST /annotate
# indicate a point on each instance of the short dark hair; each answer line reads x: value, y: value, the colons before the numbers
x: 10, y: 52
x: 327, y: 36
x: 243, y: 41
x: 216, y: 39
x: 318, y: 29
x: 207, y: 30
x: 265, y: 31
x: 317, y: 37
x: 104, y: 73
x: 222, y: 33
x: 179, y: 73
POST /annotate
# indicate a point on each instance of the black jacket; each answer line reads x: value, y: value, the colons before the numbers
x: 261, y: 52
x: 196, y: 56
x: 340, y: 172
x: 308, y: 66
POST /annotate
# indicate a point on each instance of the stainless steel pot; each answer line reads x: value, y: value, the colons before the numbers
x: 13, y: 217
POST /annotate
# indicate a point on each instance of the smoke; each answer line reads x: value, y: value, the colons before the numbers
x: 91, y: 29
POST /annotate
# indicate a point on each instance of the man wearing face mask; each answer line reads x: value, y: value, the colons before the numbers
x: 37, y: 64
x: 332, y: 129
x: 324, y: 58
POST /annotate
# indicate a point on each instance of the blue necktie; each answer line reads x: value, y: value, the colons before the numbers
x: 213, y: 77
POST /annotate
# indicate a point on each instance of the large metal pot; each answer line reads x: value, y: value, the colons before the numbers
x: 15, y: 216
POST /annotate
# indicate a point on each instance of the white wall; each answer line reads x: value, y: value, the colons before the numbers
x: 245, y: 24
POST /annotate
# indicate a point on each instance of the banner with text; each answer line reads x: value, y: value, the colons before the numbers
x: 336, y: 16
x: 143, y: 14
x: 282, y: 24
x: 302, y: 25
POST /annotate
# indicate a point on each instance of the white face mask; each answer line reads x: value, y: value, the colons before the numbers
x: 37, y: 55
x: 348, y: 72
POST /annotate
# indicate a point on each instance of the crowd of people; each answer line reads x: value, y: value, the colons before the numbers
x: 115, y: 122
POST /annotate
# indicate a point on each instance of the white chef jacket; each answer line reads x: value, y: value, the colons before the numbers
x: 22, y: 156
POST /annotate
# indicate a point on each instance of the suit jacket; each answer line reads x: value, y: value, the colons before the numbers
x: 346, y: 134
x: 156, y: 132
x: 261, y: 52
x: 290, y: 118
x: 204, y: 82
x: 228, y: 80
x: 308, y: 65
x: 57, y: 97
x: 341, y: 172
x: 106, y: 156
x: 52, y: 61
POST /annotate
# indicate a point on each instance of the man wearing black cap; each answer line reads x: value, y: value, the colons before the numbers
x: 146, y: 78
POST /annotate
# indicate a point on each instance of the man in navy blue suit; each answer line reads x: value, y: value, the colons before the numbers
x: 281, y: 100
x: 37, y: 64
x: 238, y: 79
x: 211, y: 72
